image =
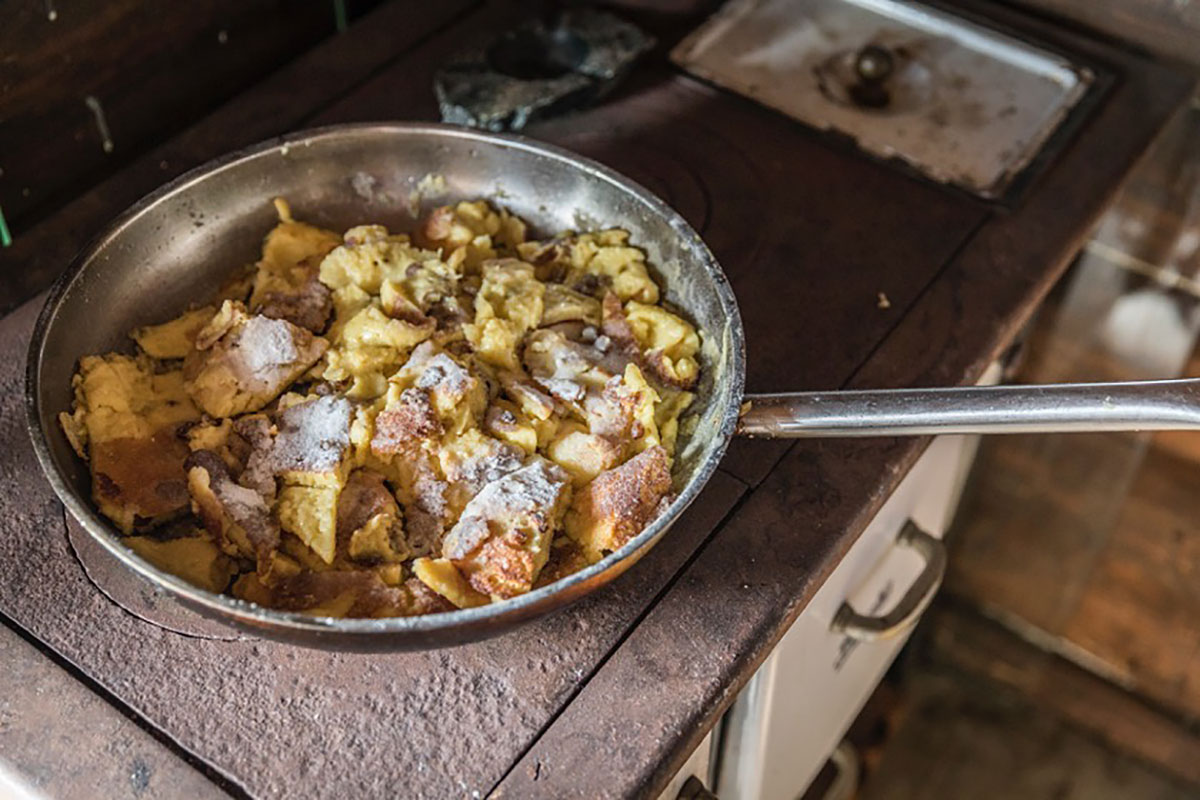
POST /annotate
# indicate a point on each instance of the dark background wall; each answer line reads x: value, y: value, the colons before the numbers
x: 152, y: 66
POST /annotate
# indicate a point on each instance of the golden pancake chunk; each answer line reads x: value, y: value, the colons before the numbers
x: 241, y: 363
x: 128, y: 420
x: 619, y: 503
x: 502, y: 540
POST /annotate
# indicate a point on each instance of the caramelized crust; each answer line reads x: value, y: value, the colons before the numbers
x: 404, y: 423
x: 502, y: 540
x: 566, y: 558
x: 619, y: 503
x: 368, y: 521
x: 342, y: 593
x: 303, y: 301
x: 140, y: 483
x: 237, y: 518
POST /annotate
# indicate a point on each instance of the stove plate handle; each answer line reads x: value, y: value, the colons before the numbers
x: 908, y: 610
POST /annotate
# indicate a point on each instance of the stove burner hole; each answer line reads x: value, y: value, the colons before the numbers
x: 537, y: 54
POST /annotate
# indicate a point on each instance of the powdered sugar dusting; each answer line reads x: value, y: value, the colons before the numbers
x: 266, y: 344
x: 528, y: 494
x: 313, y: 435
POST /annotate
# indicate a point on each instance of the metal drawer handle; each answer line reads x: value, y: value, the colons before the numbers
x: 910, y: 607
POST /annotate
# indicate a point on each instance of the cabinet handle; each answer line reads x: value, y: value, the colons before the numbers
x: 910, y: 607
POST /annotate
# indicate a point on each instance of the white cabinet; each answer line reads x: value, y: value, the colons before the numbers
x: 797, y: 707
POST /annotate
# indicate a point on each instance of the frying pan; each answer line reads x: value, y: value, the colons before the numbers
x: 176, y: 244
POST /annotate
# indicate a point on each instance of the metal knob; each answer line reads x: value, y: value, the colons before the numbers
x: 874, y: 64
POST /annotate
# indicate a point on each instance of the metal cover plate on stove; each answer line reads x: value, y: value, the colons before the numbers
x: 965, y: 104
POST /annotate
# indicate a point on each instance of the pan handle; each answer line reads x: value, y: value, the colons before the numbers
x: 1048, y: 408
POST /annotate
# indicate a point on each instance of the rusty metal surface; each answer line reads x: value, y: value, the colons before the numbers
x: 276, y: 719
x: 686, y: 661
x: 66, y: 741
x: 137, y: 596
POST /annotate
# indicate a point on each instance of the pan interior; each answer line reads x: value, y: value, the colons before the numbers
x: 175, y: 246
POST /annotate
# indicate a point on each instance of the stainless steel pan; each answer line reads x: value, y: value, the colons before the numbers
x: 173, y: 246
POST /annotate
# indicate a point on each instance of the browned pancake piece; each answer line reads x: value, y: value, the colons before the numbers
x: 619, y: 503
x: 502, y: 540
x: 368, y: 521
x: 625, y: 346
x: 472, y: 462
x: 566, y: 558
x: 306, y: 445
x: 342, y: 593
x: 304, y: 301
x: 238, y: 518
x: 140, y: 483
x: 241, y: 363
x: 365, y: 496
x: 405, y: 422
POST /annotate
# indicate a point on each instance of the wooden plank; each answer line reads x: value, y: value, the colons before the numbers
x: 1138, y: 608
x: 680, y: 669
x: 963, y: 736
x: 1164, y: 27
x: 149, y: 86
x: 281, y: 102
x: 67, y: 741
x: 960, y: 638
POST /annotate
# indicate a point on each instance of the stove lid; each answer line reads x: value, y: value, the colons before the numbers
x: 959, y: 102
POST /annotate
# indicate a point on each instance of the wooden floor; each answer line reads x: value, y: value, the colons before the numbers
x: 1064, y: 661
x: 1094, y: 540
x: 963, y: 739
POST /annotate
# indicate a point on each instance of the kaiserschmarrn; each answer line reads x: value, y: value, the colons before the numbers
x: 383, y: 424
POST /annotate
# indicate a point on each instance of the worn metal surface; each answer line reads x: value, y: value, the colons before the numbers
x: 538, y: 69
x: 138, y: 596
x: 66, y: 741
x: 686, y: 661
x: 280, y: 720
x: 962, y: 103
